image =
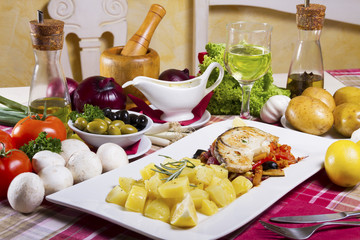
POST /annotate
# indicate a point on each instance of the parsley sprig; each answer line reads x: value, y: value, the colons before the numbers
x: 173, y: 169
x: 41, y: 143
x: 90, y: 112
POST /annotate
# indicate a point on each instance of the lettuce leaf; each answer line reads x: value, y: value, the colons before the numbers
x: 226, y: 99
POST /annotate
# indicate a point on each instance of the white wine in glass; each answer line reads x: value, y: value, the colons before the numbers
x: 247, y: 56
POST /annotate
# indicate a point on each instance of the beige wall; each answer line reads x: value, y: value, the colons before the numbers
x: 173, y: 37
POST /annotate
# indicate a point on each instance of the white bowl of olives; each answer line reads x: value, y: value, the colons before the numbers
x: 121, y: 127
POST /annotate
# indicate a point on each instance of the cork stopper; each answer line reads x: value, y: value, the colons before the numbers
x: 47, y: 34
x: 310, y: 17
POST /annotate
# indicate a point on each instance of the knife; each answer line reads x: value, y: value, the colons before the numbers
x: 316, y: 218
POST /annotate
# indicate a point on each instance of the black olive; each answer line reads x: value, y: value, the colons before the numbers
x: 269, y: 165
x: 111, y: 115
x: 198, y: 153
x: 142, y: 121
x: 133, y: 119
x: 106, y: 110
x: 123, y: 115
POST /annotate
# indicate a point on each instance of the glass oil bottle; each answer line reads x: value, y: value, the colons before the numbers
x: 306, y: 68
x: 48, y: 89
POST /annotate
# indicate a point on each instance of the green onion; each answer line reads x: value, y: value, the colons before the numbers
x: 12, y: 112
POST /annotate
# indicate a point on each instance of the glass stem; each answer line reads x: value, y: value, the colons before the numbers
x: 245, y: 105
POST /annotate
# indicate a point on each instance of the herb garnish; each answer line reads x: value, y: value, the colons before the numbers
x: 173, y: 169
x: 90, y: 112
x: 41, y: 143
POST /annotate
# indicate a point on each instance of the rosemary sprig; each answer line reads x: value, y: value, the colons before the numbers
x: 173, y: 169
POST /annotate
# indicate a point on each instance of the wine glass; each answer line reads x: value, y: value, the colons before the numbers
x: 247, y: 56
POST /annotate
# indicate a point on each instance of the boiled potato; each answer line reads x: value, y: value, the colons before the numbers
x: 203, y: 175
x: 176, y: 188
x: 197, y: 196
x: 208, y: 207
x: 320, y: 94
x: 147, y: 172
x: 309, y: 115
x: 117, y: 195
x: 136, y: 199
x: 157, y: 209
x: 347, y: 118
x: 222, y: 194
x: 347, y: 94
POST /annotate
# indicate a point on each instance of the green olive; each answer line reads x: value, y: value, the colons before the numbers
x: 128, y: 129
x: 80, y: 123
x: 96, y: 127
x: 107, y: 120
x: 117, y: 123
x: 103, y: 121
x: 114, y: 130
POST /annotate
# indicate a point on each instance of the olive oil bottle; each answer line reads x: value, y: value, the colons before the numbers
x: 306, y: 68
x: 48, y: 89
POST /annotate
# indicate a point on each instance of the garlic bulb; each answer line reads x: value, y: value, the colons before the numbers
x: 274, y: 108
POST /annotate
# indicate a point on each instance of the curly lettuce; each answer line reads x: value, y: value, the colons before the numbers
x: 226, y: 99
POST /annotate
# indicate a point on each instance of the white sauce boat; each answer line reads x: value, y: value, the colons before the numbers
x: 177, y: 99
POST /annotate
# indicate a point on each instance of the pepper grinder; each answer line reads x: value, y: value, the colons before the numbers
x: 48, y: 90
x: 306, y: 68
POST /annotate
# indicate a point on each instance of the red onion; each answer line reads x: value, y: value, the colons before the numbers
x: 175, y: 75
x: 72, y: 85
x: 99, y: 91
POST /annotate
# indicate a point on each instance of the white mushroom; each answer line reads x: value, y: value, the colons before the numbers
x: 26, y: 192
x: 84, y: 165
x: 112, y: 156
x: 56, y: 178
x: 70, y: 146
x: 46, y: 158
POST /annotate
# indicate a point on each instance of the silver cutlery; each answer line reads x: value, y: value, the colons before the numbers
x: 316, y: 218
x: 302, y: 232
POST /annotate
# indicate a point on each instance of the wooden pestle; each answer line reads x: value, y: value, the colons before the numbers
x: 138, y: 44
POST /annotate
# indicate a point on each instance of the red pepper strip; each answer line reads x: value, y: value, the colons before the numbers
x: 261, y: 161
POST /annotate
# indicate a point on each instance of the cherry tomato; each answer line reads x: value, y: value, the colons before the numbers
x: 6, y: 140
x: 28, y: 129
x: 12, y: 163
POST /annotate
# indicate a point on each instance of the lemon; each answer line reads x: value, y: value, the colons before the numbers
x: 238, y: 122
x: 342, y: 163
x: 184, y: 213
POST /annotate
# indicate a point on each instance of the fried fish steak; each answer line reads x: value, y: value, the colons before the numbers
x: 237, y: 147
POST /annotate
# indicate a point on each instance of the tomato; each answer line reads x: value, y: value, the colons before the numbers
x: 6, y: 139
x: 28, y: 129
x: 12, y: 163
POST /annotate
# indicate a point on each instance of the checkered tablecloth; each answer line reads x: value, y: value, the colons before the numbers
x: 52, y: 221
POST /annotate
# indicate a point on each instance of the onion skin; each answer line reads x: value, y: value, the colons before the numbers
x: 72, y: 85
x: 99, y: 91
x: 175, y: 75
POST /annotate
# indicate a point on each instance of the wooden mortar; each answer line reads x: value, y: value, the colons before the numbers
x: 126, y: 68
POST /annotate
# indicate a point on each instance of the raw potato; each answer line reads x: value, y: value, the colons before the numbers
x: 347, y: 118
x: 70, y: 146
x: 309, y: 115
x: 26, y: 192
x: 347, y: 94
x: 84, y: 165
x: 46, y: 158
x: 56, y: 178
x: 322, y: 95
x: 112, y: 156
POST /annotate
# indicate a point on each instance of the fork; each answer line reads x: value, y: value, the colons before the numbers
x: 303, y: 232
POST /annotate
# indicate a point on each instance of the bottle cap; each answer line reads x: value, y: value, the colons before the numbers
x: 47, y: 34
x: 310, y: 17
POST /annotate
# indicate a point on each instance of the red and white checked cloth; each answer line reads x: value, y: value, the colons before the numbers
x: 315, y: 195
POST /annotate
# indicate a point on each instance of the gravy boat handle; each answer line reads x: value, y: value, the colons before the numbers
x: 207, y: 73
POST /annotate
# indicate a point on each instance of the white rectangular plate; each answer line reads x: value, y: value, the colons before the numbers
x: 89, y: 196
